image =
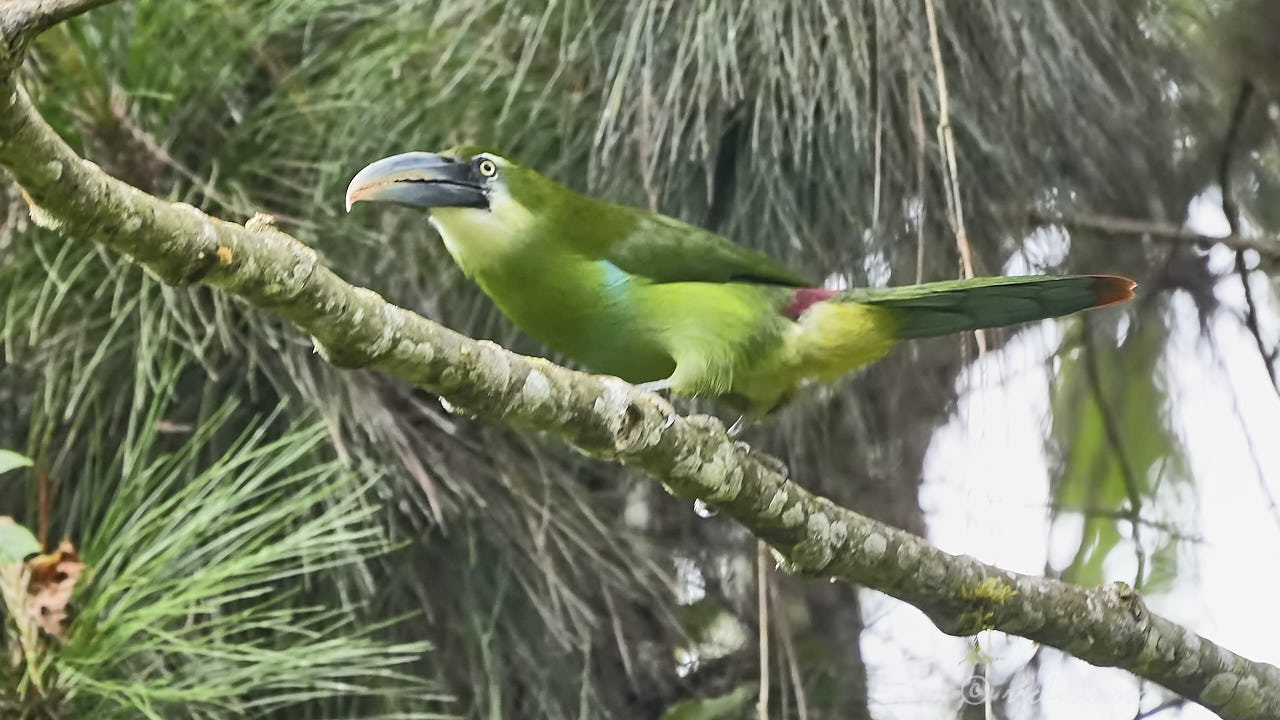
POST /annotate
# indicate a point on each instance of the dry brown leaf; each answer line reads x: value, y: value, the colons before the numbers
x: 53, y: 580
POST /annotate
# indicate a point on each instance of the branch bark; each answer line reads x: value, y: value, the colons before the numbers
x: 21, y: 20
x: 604, y: 416
x: 1112, y: 225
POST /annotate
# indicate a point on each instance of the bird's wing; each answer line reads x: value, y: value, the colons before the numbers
x: 665, y: 250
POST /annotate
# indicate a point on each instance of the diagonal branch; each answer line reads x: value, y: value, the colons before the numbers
x: 354, y: 327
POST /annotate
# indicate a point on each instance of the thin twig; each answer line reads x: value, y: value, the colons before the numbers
x: 44, y: 499
x: 1232, y: 210
x: 1111, y: 428
x: 1169, y: 704
x: 947, y: 146
x: 877, y: 98
x: 1267, y: 495
x: 1169, y: 529
x: 1121, y: 226
x: 987, y: 702
x: 1229, y: 206
x: 619, y: 637
x: 789, y: 651
x: 1251, y: 322
x: 762, y: 599
x: 917, y: 128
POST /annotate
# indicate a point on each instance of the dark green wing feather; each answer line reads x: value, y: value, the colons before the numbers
x: 665, y: 250
x: 945, y: 307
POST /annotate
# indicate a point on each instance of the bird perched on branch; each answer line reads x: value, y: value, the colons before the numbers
x: 667, y: 305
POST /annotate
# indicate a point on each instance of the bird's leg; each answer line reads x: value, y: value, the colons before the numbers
x: 738, y: 427
x: 656, y: 385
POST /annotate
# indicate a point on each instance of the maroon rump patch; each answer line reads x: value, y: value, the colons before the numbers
x: 804, y: 299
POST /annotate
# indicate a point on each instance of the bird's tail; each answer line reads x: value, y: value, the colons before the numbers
x: 954, y: 306
x: 840, y: 331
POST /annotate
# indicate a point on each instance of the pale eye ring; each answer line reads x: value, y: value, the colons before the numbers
x: 487, y: 167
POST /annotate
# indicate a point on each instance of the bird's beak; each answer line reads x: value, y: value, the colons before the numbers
x: 418, y: 179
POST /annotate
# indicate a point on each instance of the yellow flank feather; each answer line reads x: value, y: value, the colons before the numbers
x: 831, y: 339
x: 713, y: 331
x: 828, y: 341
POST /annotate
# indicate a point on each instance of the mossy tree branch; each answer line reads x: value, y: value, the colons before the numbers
x: 604, y: 416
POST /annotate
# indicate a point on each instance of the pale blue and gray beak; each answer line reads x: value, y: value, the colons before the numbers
x: 419, y: 179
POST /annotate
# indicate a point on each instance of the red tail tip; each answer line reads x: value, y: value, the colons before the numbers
x: 1112, y: 289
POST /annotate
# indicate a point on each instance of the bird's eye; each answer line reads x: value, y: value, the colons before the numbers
x: 487, y: 167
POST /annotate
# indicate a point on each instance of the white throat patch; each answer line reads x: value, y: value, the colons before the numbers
x: 477, y: 236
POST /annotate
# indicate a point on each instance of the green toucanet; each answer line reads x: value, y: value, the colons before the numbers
x: 657, y: 301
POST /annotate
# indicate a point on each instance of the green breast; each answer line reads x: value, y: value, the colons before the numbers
x: 585, y: 309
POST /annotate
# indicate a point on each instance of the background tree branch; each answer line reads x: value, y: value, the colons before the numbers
x: 354, y: 327
x: 1269, y: 251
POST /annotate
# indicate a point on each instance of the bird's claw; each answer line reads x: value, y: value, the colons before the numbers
x: 773, y: 463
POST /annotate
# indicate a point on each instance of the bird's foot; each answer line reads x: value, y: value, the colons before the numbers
x: 663, y: 404
x: 738, y: 427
